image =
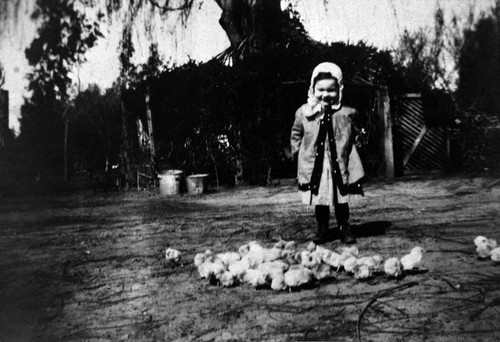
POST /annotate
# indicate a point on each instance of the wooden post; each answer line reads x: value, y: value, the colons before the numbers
x: 238, y: 176
x: 150, y: 126
x: 4, y: 116
x: 66, y: 127
x: 65, y: 147
x: 384, y: 111
x: 4, y: 121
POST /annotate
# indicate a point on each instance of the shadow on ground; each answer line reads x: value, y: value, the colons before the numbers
x: 375, y: 228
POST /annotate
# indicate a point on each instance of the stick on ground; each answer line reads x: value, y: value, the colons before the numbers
x: 380, y: 295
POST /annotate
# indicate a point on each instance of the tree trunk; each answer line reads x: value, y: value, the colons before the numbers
x: 66, y: 127
x: 256, y: 22
x: 238, y: 174
x: 150, y: 127
x: 126, y: 160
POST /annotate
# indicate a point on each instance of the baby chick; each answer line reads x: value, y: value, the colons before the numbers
x: 412, y: 260
x: 271, y: 254
x: 323, y: 253
x: 492, y: 243
x: 273, y: 266
x: 353, y: 251
x: 482, y: 249
x: 227, y: 279
x: 480, y: 241
x: 229, y: 257
x: 291, y: 246
x: 259, y: 254
x: 239, y: 268
x: 495, y: 255
x: 280, y: 244
x: 256, y: 258
x: 333, y: 260
x: 308, y: 259
x: 297, y: 276
x: 172, y: 255
x: 256, y: 278
x: 288, y: 255
x: 311, y: 247
x: 349, y: 264
x: 255, y: 247
x: 378, y: 262
x: 372, y: 262
x: 288, y: 252
x: 393, y: 267
x: 364, y: 260
x: 243, y: 250
x: 348, y: 252
x: 362, y: 271
x: 322, y: 271
x: 211, y: 268
x: 199, y: 259
x: 278, y: 283
x: 483, y: 252
x: 484, y: 246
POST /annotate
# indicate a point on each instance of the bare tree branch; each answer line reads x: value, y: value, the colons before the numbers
x: 188, y: 4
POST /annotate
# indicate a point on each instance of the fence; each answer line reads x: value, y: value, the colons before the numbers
x: 419, y: 148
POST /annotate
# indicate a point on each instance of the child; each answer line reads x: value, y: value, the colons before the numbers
x: 322, y: 138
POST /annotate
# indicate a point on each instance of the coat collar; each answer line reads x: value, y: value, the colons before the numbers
x: 312, y: 109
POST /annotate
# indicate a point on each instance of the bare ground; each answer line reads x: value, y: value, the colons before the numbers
x: 90, y: 267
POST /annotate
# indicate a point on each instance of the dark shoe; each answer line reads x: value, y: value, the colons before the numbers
x: 320, y: 238
x: 322, y: 234
x: 346, y: 236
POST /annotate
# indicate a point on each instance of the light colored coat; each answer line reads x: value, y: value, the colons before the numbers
x: 304, y: 142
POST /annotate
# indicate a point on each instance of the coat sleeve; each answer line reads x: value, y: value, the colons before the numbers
x: 297, y: 133
x: 344, y: 142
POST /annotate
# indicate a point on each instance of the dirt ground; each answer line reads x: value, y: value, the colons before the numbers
x: 91, y: 267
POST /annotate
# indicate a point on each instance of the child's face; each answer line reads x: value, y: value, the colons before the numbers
x: 326, y: 91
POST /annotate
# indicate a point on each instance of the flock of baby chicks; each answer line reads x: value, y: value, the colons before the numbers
x: 285, y: 267
x: 487, y: 248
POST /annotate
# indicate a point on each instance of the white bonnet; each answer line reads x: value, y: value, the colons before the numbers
x: 329, y: 68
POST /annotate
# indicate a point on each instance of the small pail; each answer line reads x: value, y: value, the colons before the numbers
x: 195, y: 184
x: 170, y: 182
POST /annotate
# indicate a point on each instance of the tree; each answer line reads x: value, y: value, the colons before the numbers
x: 428, y: 57
x: 254, y: 23
x: 95, y: 129
x: 250, y: 25
x: 9, y: 9
x: 479, y: 65
x: 478, y: 92
x: 268, y: 47
x: 64, y: 36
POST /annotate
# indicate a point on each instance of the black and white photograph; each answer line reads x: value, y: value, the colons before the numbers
x: 249, y: 170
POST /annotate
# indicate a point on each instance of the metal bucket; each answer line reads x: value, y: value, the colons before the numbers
x: 196, y: 184
x: 170, y: 182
